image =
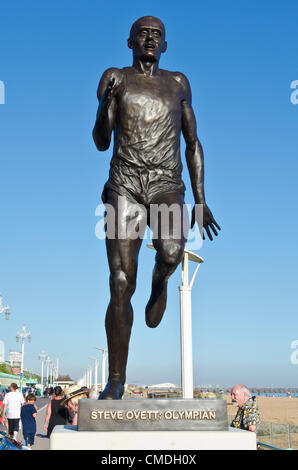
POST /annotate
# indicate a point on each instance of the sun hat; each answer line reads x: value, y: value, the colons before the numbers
x: 75, y: 391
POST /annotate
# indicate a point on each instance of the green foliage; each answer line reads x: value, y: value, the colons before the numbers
x: 27, y: 375
x: 4, y: 369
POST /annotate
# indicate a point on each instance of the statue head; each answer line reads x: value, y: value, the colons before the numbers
x: 147, y: 39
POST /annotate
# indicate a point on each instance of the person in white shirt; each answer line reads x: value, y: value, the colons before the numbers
x: 13, y: 402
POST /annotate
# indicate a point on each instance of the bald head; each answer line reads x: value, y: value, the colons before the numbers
x: 147, y: 21
x: 147, y: 39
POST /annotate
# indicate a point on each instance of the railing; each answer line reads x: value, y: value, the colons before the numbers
x: 270, y: 446
x: 275, y: 436
x: 6, y: 379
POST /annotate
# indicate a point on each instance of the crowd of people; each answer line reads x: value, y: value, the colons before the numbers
x: 62, y: 409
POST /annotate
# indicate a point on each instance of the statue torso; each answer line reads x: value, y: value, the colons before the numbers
x: 148, y: 121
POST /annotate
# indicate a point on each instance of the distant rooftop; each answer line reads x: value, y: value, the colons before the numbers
x: 164, y: 385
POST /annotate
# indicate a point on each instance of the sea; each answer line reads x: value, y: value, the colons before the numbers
x: 263, y: 394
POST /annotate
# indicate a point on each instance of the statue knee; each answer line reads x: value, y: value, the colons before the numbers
x: 121, y: 284
x: 172, y: 253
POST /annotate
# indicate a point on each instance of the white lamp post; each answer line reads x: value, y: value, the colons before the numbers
x: 103, y: 367
x: 57, y: 368
x: 186, y: 322
x: 4, y: 309
x: 23, y: 335
x: 95, y: 372
x: 54, y: 373
x: 90, y: 375
x: 48, y: 362
x: 42, y: 356
x: 50, y: 372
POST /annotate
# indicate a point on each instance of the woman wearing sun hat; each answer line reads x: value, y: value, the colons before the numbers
x: 73, y: 394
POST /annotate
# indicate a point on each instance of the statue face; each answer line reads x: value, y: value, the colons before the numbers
x: 147, y: 40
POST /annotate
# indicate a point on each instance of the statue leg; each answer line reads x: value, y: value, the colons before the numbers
x: 169, y: 248
x: 123, y: 258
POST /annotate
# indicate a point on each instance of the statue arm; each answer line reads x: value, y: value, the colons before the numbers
x: 195, y: 160
x: 194, y: 153
x: 106, y: 113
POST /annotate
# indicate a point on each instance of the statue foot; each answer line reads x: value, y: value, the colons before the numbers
x: 156, y: 306
x: 113, y: 391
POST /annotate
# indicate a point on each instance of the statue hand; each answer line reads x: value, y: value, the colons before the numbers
x: 208, y: 221
x: 110, y: 91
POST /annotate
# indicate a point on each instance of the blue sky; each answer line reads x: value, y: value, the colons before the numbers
x: 240, y: 58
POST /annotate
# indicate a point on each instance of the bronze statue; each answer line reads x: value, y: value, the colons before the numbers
x: 147, y: 108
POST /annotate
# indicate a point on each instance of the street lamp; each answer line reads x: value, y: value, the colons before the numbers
x: 186, y: 322
x: 51, y: 373
x: 42, y: 356
x: 90, y: 376
x: 48, y: 361
x: 103, y: 367
x: 4, y: 309
x: 95, y: 372
x: 57, y: 368
x: 55, y: 376
x: 23, y: 335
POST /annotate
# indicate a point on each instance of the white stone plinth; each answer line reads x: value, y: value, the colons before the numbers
x: 69, y: 438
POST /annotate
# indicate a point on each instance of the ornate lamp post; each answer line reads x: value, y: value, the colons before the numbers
x: 23, y: 335
x: 42, y: 356
x: 186, y: 321
x: 95, y: 372
x: 4, y: 309
x: 48, y: 362
x: 103, y: 367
